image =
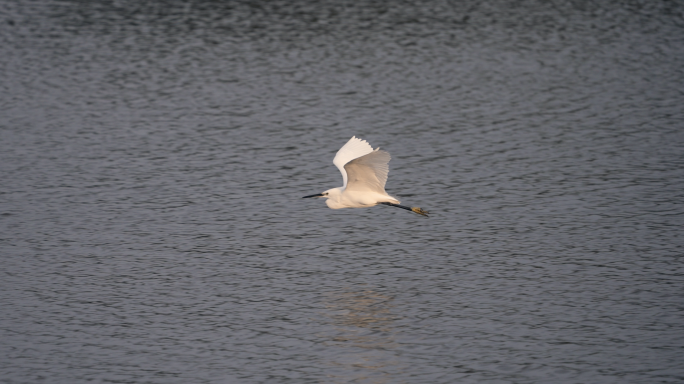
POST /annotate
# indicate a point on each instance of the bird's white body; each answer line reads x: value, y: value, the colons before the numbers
x: 364, y: 172
x: 342, y: 198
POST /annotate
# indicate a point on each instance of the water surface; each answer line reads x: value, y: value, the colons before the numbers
x: 153, y: 159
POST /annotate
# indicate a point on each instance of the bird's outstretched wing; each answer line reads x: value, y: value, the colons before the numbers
x: 354, y: 148
x: 369, y: 172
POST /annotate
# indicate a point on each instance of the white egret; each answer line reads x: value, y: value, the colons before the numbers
x: 364, y: 172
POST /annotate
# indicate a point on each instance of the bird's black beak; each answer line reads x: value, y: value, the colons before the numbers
x: 317, y: 195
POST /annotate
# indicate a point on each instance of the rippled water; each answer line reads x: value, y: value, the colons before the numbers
x: 153, y: 159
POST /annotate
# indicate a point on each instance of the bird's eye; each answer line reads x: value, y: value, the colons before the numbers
x: 325, y: 194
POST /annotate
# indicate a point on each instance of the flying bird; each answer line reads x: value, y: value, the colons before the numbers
x: 364, y: 172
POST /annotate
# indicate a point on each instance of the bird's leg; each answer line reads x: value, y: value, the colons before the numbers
x: 417, y: 210
x: 420, y: 211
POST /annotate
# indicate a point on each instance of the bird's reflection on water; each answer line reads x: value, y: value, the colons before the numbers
x: 362, y: 321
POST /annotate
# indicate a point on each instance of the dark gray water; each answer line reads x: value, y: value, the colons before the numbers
x: 153, y: 158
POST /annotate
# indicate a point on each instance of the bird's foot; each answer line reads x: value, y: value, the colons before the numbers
x: 420, y: 211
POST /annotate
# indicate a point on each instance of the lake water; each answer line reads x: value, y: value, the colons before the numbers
x: 153, y: 157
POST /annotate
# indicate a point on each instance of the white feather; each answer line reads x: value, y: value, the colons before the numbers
x: 369, y: 172
x: 354, y: 148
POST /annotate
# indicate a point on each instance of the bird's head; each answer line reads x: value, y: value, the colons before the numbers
x: 330, y: 193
